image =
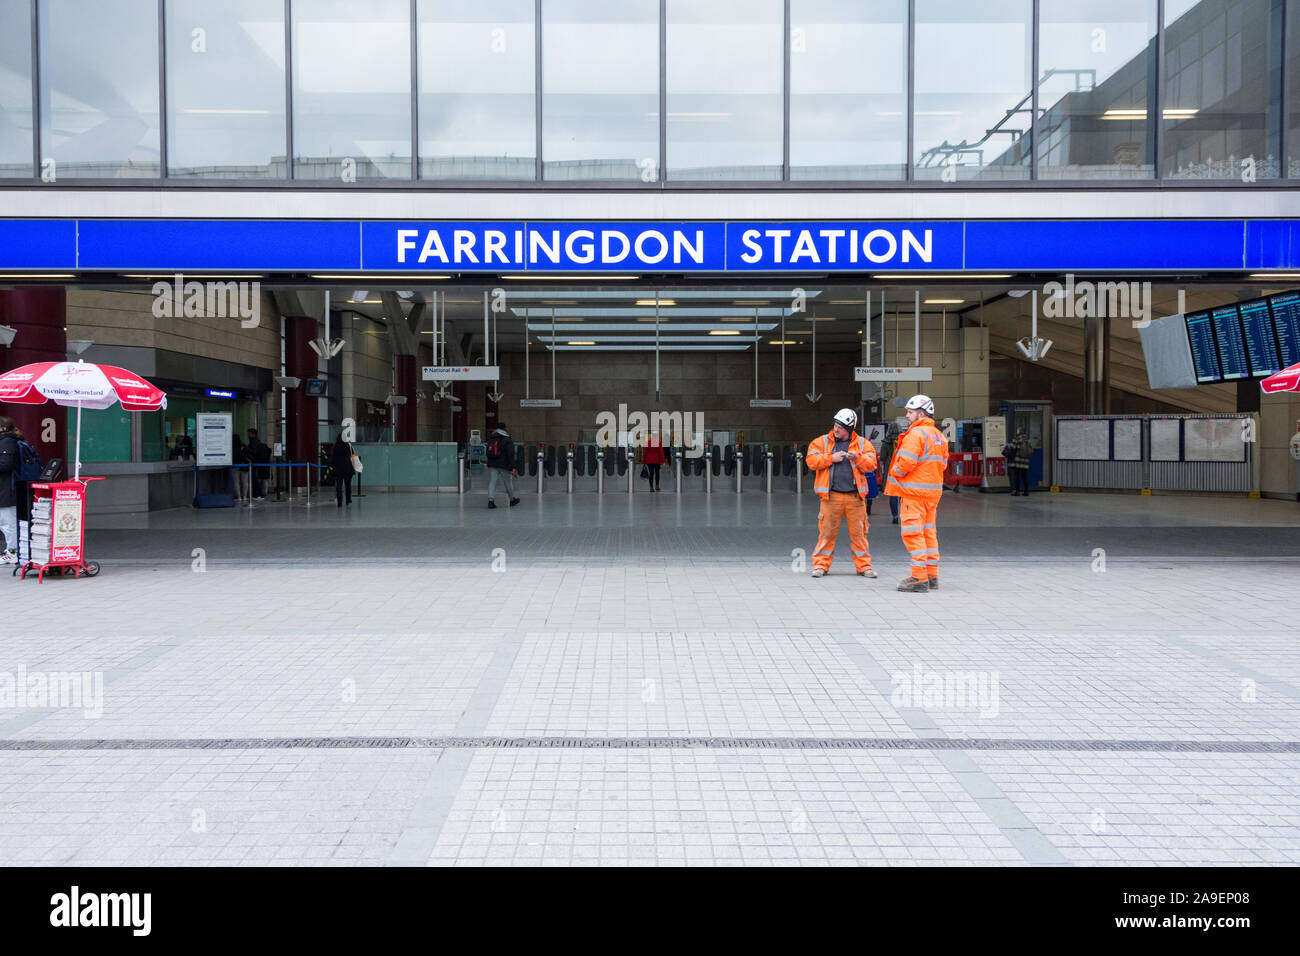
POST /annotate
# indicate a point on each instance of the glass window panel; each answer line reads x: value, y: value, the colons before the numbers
x: 105, y: 433
x: 1095, y: 82
x: 973, y: 102
x: 15, y: 88
x: 1222, y: 97
x: 351, y: 89
x: 848, y: 89
x: 600, y: 90
x: 1293, y: 88
x: 725, y: 98
x: 478, y: 107
x: 225, y: 89
x: 99, y: 88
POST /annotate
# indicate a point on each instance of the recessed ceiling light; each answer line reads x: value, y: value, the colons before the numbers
x: 948, y: 275
x: 580, y: 343
x: 783, y: 342
x: 725, y: 332
x: 410, y: 276
x: 750, y: 302
x: 651, y: 302
x: 553, y: 278
x: 943, y: 301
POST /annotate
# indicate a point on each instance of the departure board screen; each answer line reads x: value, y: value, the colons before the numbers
x: 1232, y: 347
x: 1205, y: 360
x: 1257, y: 325
x: 1286, y: 320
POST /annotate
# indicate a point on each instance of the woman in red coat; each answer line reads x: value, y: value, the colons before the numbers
x: 652, y: 456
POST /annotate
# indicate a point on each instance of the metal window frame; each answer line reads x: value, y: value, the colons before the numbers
x: 662, y: 178
x: 537, y: 90
x: 35, y: 7
x: 910, y: 165
x: 785, y: 114
x: 289, y: 158
x: 1035, y: 71
x: 163, y: 165
x: 415, y: 91
x: 1157, y: 109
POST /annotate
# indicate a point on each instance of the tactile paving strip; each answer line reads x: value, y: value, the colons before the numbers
x: 654, y: 743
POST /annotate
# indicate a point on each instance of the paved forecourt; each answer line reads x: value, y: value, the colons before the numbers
x: 1100, y: 679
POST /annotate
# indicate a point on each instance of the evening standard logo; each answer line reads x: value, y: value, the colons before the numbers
x: 208, y: 300
x: 53, y: 690
x: 76, y: 909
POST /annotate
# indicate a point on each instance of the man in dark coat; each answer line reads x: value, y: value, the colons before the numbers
x: 342, y: 470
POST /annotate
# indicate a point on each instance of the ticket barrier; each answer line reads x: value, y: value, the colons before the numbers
x: 798, y: 470
x: 631, y: 468
x: 740, y: 466
x: 767, y: 454
x: 568, y: 457
x: 677, y: 462
x: 541, y: 466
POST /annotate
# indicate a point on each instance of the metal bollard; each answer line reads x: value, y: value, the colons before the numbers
x: 460, y: 473
x: 798, y: 472
x: 600, y: 470
x: 740, y: 462
x: 541, y: 471
x: 677, y: 456
x: 768, y: 452
x: 708, y: 470
x: 631, y: 466
x: 569, y: 471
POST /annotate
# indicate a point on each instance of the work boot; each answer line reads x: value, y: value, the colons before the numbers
x: 819, y: 573
x: 868, y: 574
x: 491, y: 503
x: 513, y: 502
x: 914, y: 584
x: 895, y: 519
x: 934, y: 583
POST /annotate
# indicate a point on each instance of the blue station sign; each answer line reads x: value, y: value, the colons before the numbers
x: 441, y: 247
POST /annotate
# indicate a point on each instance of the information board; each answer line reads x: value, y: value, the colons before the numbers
x: 1257, y: 325
x: 1080, y: 439
x: 1127, y: 439
x: 1166, y: 439
x: 215, y: 432
x: 1232, y: 346
x: 1286, y: 321
x: 1214, y: 439
x: 1205, y: 359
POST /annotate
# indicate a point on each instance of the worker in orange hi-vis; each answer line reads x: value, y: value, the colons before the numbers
x: 844, y: 464
x: 916, y: 478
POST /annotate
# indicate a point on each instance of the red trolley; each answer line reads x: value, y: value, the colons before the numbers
x: 57, y: 536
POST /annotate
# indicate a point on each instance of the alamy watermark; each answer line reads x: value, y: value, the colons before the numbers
x: 211, y: 299
x: 39, y: 690
x: 1086, y: 299
x: 947, y: 690
x: 683, y: 428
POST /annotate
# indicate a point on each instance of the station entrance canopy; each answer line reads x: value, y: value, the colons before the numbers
x: 502, y: 247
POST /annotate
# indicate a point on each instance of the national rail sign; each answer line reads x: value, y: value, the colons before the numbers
x: 919, y: 373
x: 462, y: 373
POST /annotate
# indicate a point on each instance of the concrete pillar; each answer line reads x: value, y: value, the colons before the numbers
x: 301, y: 412
x: 1096, y: 365
x: 39, y: 316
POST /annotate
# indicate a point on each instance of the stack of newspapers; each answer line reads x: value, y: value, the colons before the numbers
x: 41, y: 527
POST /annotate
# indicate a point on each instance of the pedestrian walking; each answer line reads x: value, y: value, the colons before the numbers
x: 916, y: 477
x: 501, y: 464
x: 242, y: 477
x: 258, y: 456
x: 10, y: 488
x: 841, y: 461
x: 652, y: 457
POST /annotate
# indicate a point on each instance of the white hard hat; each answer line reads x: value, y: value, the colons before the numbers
x: 846, y: 417
x: 922, y: 402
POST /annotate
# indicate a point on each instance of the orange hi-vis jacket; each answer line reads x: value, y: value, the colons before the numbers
x: 818, y: 458
x: 919, y: 461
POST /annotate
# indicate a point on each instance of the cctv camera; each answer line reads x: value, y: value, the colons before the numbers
x: 7, y: 334
x: 287, y: 381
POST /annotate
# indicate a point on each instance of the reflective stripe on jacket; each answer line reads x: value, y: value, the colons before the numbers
x: 818, y: 458
x: 919, y: 461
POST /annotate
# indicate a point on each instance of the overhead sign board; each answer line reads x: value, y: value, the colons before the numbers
x: 920, y: 373
x: 638, y: 246
x: 539, y: 403
x: 769, y: 403
x: 462, y: 373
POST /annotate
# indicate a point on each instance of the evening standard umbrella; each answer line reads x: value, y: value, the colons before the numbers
x: 1287, y: 380
x: 81, y: 385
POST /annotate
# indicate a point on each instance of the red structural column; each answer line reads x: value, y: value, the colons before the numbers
x: 407, y: 415
x: 301, y: 412
x: 39, y: 317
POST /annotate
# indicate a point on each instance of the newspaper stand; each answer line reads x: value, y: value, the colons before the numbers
x: 58, y: 530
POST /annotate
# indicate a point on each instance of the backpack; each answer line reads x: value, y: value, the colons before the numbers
x: 494, y: 447
x: 27, y: 464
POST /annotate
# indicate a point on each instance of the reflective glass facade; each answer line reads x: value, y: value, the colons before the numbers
x: 646, y: 93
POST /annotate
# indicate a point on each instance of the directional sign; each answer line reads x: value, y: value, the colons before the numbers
x: 917, y: 374
x: 539, y: 403
x: 462, y: 373
x: 769, y: 403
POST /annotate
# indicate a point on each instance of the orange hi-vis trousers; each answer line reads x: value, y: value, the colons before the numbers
x: 842, y: 506
x: 916, y: 518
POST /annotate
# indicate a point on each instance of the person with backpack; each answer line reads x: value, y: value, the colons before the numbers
x: 341, y: 468
x: 501, y: 464
x: 256, y: 453
x: 19, y: 466
x: 1018, y: 453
